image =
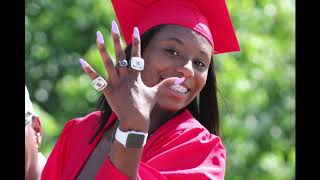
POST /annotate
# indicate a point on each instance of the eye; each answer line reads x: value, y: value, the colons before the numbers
x: 199, y: 63
x: 172, y: 52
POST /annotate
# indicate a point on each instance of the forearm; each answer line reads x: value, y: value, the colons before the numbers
x: 125, y: 159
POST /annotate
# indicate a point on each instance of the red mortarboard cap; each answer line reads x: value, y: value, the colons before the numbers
x: 210, y: 18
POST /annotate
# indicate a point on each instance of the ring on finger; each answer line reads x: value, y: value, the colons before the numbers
x: 137, y: 63
x: 123, y: 63
x: 99, y: 83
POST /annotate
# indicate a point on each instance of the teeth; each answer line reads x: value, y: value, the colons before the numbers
x: 179, y: 89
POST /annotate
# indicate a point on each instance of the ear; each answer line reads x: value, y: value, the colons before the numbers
x: 36, y: 126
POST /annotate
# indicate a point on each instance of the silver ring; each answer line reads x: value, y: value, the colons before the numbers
x: 137, y: 63
x: 99, y: 83
x: 123, y: 63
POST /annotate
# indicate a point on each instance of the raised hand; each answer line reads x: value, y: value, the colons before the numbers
x: 127, y: 95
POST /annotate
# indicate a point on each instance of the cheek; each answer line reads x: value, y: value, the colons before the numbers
x: 149, y: 78
x: 201, y: 79
x: 154, y: 67
x: 148, y: 74
x: 27, y: 153
x: 30, y: 144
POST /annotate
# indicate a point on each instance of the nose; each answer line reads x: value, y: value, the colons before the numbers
x: 186, y: 69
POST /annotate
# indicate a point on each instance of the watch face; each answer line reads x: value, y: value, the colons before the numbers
x: 135, y: 140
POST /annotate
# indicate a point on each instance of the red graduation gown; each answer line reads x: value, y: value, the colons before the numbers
x: 180, y: 149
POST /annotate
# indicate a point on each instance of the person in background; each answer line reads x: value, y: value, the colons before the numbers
x: 159, y: 117
x: 34, y: 160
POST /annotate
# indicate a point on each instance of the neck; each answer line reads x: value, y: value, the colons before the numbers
x: 159, y: 116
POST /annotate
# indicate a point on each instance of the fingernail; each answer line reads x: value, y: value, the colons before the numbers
x: 136, y: 33
x: 114, y: 27
x: 83, y: 63
x: 100, y: 37
x: 179, y: 81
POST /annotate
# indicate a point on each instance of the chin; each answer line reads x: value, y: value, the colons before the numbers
x: 171, y: 106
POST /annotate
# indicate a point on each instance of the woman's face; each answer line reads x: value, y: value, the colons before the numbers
x: 176, y: 51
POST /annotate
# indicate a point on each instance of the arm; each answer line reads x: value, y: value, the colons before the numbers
x: 145, y: 172
x: 130, y: 99
x: 192, y: 155
x: 125, y: 159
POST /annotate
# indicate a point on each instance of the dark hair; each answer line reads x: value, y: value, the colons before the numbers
x: 204, y: 107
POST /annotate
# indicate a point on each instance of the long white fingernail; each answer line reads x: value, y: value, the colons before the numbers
x: 114, y: 27
x: 136, y: 33
x: 179, y: 81
x: 100, y: 37
x: 83, y: 63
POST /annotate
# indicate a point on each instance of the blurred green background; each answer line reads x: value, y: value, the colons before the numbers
x: 256, y: 86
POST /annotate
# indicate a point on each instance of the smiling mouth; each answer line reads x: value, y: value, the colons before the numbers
x: 179, y: 89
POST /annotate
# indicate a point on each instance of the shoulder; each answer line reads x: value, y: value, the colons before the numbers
x: 181, y: 137
x: 194, y: 132
x: 184, y: 129
x: 84, y: 122
x: 185, y: 124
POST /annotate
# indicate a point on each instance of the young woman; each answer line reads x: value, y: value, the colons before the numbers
x: 159, y: 117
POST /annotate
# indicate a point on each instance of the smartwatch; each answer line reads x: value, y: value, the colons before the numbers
x: 131, y: 139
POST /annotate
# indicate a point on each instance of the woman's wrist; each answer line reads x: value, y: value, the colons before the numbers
x: 133, y: 125
x: 125, y: 159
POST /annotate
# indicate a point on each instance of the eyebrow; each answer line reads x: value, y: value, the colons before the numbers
x: 174, y: 39
x: 180, y: 42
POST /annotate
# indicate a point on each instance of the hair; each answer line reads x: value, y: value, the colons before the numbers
x: 204, y: 107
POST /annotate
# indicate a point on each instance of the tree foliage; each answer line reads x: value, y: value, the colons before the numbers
x: 256, y: 86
